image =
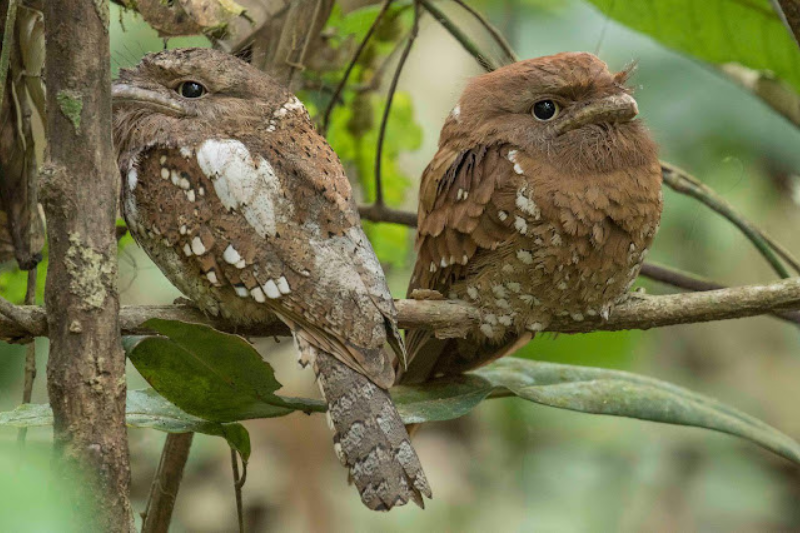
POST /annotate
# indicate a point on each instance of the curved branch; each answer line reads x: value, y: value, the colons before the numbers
x: 468, y: 44
x: 684, y: 183
x: 389, y: 98
x: 498, y: 37
x: 343, y: 82
x: 450, y: 318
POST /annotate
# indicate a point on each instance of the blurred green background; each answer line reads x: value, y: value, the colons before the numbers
x: 510, y: 465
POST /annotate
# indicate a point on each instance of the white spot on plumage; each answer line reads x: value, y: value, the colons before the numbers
x: 133, y: 179
x: 464, y: 259
x: 241, y: 184
x: 241, y: 264
x: 487, y: 330
x: 183, y: 229
x: 283, y: 285
x: 258, y: 295
x: 184, y: 184
x: 272, y: 290
x: 512, y: 156
x: 499, y: 291
x: 433, y: 267
x: 521, y: 225
x: 577, y: 317
x: 197, y: 246
x: 456, y: 113
x: 241, y: 291
x: 513, y: 286
x: 162, y: 159
x: 562, y: 286
x: 212, y: 277
x: 190, y: 195
x: 186, y: 152
x: 502, y: 215
x: 505, y: 320
x: 164, y: 173
x: 174, y: 177
x: 525, y: 256
x: 443, y: 262
x: 536, y: 326
x: 526, y: 205
x: 230, y: 255
x: 490, y: 318
x: 472, y: 292
x: 187, y: 249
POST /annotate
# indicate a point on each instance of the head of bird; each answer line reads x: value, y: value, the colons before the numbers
x: 567, y: 110
x: 181, y: 93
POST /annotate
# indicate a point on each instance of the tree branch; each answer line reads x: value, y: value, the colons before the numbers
x: 684, y: 183
x: 468, y: 44
x: 451, y: 318
x: 412, y: 35
x: 164, y: 489
x: 679, y: 279
x: 353, y: 61
x: 501, y: 41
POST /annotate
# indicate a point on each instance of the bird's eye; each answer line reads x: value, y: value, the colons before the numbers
x: 191, y: 89
x: 545, y: 110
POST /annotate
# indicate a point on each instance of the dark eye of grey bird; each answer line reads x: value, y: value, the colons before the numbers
x: 545, y: 109
x: 191, y: 89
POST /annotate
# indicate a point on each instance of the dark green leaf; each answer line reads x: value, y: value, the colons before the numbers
x: 719, y: 31
x: 213, y: 375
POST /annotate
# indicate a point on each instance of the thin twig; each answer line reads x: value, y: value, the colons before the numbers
x: 498, y: 37
x: 166, y: 483
x: 382, y: 213
x: 30, y: 355
x: 8, y: 43
x: 468, y: 44
x: 295, y: 66
x: 684, y: 183
x: 350, y: 66
x: 389, y: 98
x: 237, y: 486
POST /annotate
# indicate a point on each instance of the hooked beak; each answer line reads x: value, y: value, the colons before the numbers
x: 614, y: 108
x: 123, y: 93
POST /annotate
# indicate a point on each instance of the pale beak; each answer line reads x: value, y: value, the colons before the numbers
x: 611, y: 109
x: 123, y: 93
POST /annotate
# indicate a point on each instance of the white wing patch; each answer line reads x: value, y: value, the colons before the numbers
x: 240, y: 184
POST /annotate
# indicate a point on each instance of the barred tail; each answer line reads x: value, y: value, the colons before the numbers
x: 369, y: 437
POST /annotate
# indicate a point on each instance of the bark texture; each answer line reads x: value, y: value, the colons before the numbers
x: 86, y: 368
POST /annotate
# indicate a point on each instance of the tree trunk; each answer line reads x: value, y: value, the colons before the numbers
x: 86, y: 369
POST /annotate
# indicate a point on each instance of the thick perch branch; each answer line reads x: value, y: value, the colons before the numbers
x: 454, y: 318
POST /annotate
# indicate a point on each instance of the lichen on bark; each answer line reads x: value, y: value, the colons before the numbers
x: 71, y: 105
x: 91, y: 272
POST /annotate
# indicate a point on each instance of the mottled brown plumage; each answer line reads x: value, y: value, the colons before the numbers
x: 247, y: 210
x: 530, y: 218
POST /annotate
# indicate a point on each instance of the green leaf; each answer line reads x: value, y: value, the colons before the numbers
x: 719, y: 31
x: 144, y: 409
x: 587, y: 390
x: 440, y: 400
x: 209, y: 374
